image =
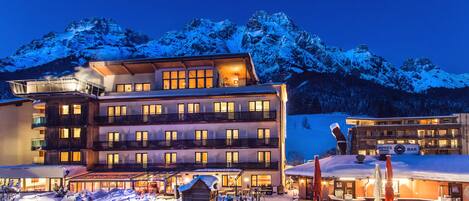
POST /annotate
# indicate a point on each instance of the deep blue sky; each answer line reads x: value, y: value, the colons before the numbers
x: 395, y: 29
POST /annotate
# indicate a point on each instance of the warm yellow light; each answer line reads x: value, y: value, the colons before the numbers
x: 302, y: 181
x: 246, y: 179
x: 187, y: 180
x: 347, y: 179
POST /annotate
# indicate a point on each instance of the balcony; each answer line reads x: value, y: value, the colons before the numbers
x: 186, y: 144
x: 47, y: 87
x: 64, y: 144
x: 154, y: 167
x: 67, y: 120
x: 37, y: 144
x: 186, y: 118
x: 38, y: 122
x: 38, y: 160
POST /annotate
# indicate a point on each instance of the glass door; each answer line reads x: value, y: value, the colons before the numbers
x: 112, y: 137
x: 112, y: 159
x: 231, y: 136
x: 142, y: 138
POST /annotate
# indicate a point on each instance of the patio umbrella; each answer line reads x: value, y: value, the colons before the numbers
x: 389, y: 192
x: 317, y: 180
x: 377, y: 193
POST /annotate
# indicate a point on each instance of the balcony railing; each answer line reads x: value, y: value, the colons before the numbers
x: 139, y: 167
x: 187, y: 144
x: 37, y: 144
x: 187, y: 118
x: 64, y: 144
x: 67, y: 120
x: 38, y: 122
x: 30, y: 88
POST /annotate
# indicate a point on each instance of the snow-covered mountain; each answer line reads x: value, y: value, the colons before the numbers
x: 281, y: 51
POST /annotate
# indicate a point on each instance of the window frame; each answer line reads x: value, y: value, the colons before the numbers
x: 142, y: 87
x: 201, y: 157
x: 178, y: 79
x: 198, y: 78
x: 124, y: 87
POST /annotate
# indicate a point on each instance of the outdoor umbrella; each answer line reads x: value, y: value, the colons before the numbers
x: 377, y: 193
x: 389, y: 192
x: 317, y: 180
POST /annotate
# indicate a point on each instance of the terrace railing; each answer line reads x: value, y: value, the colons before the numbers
x: 30, y: 88
x: 144, y: 167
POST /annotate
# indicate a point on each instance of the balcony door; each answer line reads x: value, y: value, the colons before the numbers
x: 150, y: 110
x: 260, y: 106
x: 232, y: 157
x: 142, y: 158
x: 263, y: 157
x: 142, y: 138
x: 201, y: 137
x: 201, y: 158
x: 170, y: 158
x: 114, y: 112
x: 112, y: 159
x: 231, y: 136
x: 181, y: 111
x: 112, y: 137
x: 170, y: 136
x: 263, y: 135
x: 225, y: 107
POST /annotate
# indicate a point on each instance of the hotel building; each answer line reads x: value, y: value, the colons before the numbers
x: 429, y: 134
x: 154, y: 124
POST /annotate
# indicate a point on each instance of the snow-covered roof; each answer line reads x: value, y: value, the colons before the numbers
x: 253, y: 89
x: 209, y: 180
x: 428, y: 167
x: 12, y: 101
x: 40, y: 171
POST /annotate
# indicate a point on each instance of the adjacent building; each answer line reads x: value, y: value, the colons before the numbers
x: 425, y: 135
x: 154, y: 124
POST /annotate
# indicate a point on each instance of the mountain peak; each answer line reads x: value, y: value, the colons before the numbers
x: 98, y: 24
x: 419, y: 65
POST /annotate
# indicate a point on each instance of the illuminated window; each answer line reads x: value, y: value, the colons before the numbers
x: 454, y: 143
x: 63, y: 156
x: 112, y: 159
x: 263, y: 133
x: 76, y: 109
x: 201, y: 78
x: 263, y: 156
x: 141, y: 135
x: 201, y: 135
x: 170, y: 158
x: 201, y: 157
x: 123, y: 87
x: 151, y: 109
x: 64, y: 133
x: 223, y: 107
x: 65, y: 110
x: 141, y: 158
x: 76, y: 132
x: 113, y: 136
x: 171, y: 135
x: 230, y: 181
x: 400, y: 141
x: 174, y: 79
x: 116, y: 111
x: 142, y: 87
x: 193, y: 108
x: 76, y: 156
x: 372, y: 152
x: 231, y: 136
x: 411, y: 141
x: 361, y: 152
x: 259, y: 106
x: 442, y: 132
x: 442, y: 143
x: 232, y: 157
x: 261, y: 180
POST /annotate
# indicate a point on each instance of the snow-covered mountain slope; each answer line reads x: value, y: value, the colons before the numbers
x: 278, y: 46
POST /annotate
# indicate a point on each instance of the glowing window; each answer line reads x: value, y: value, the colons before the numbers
x: 76, y: 109
x: 230, y: 181
x: 64, y: 133
x: 65, y: 110
x: 142, y: 87
x: 201, y: 157
x: 76, y: 132
x: 76, y: 156
x: 261, y: 180
x: 63, y: 156
x: 201, y: 78
x: 174, y: 80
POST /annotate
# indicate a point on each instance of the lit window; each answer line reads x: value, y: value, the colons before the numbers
x: 76, y: 132
x: 263, y: 156
x: 442, y: 143
x: 201, y: 135
x: 442, y: 132
x: 151, y: 109
x: 174, y: 80
x: 201, y: 157
x: 64, y: 133
x: 193, y: 108
x: 232, y: 157
x: 261, y: 180
x: 201, y: 78
x: 259, y: 106
x: 223, y: 107
x: 115, y: 111
x: 141, y: 158
x: 171, y: 135
x: 112, y: 159
x: 76, y: 156
x: 124, y: 87
x: 76, y: 109
x: 231, y: 136
x: 263, y: 133
x: 142, y: 87
x: 361, y: 152
x: 170, y: 158
x: 141, y: 135
x: 230, y: 181
x: 65, y: 110
x: 63, y: 156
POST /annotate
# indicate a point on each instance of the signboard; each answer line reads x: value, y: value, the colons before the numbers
x: 398, y: 148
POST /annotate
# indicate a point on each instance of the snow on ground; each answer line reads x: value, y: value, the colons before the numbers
x: 310, y: 134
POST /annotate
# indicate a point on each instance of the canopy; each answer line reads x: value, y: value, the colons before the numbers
x: 41, y: 171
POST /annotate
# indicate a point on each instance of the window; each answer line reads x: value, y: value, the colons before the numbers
x: 76, y: 156
x: 442, y: 143
x: 442, y: 132
x: 64, y: 133
x: 151, y: 109
x: 170, y: 136
x: 141, y: 135
x: 181, y: 111
x: 361, y: 152
x: 76, y: 132
x: 263, y: 156
x: 170, y: 158
x: 112, y: 159
x: 76, y: 109
x: 123, y: 87
x: 201, y: 135
x: 230, y: 181
x: 380, y: 141
x: 65, y: 110
x: 201, y: 157
x: 113, y: 136
x: 193, y: 108
x: 201, y: 78
x: 261, y: 180
x: 174, y: 79
x: 232, y: 157
x: 259, y: 106
x: 263, y: 133
x: 223, y: 107
x: 63, y: 156
x: 141, y: 158
x: 231, y: 136
x: 142, y: 87
x: 454, y: 143
x: 116, y: 111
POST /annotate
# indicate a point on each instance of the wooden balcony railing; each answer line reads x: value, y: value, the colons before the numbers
x: 140, y: 167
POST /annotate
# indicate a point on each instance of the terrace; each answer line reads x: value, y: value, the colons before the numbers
x: 48, y: 87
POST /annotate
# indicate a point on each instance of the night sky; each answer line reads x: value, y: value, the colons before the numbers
x: 396, y: 29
